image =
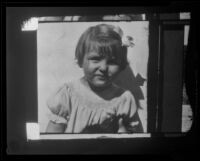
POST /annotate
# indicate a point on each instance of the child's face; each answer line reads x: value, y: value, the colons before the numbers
x: 99, y: 70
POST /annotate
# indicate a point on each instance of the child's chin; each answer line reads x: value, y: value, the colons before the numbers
x: 101, y: 84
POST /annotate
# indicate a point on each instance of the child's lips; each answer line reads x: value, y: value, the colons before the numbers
x: 101, y: 76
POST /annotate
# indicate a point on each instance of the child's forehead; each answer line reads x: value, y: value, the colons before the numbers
x: 102, y: 55
x: 105, y: 49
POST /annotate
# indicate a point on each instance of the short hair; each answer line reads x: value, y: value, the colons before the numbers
x: 105, y: 41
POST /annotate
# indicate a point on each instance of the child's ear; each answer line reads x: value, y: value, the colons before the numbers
x: 78, y: 63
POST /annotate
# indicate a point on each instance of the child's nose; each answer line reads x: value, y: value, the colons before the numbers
x: 103, y: 66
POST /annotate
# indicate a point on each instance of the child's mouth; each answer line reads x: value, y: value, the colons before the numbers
x: 102, y: 77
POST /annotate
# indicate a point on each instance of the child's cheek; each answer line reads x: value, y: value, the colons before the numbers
x: 91, y: 68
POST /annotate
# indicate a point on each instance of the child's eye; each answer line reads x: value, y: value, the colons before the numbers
x: 95, y: 59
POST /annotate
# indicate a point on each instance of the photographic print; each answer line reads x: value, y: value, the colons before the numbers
x: 92, y: 77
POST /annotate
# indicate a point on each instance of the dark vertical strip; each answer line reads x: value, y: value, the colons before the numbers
x: 172, y: 68
x: 15, y: 82
x: 160, y: 80
x: 191, y: 67
x: 152, y: 73
x: 21, y: 79
x: 29, y: 55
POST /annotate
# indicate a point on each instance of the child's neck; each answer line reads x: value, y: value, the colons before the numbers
x: 101, y: 91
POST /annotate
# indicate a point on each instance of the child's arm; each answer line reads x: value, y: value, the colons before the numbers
x: 55, y: 127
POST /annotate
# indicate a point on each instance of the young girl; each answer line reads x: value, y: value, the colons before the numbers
x: 94, y: 104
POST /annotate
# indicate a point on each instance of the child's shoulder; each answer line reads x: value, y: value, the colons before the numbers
x: 66, y: 87
x: 71, y: 84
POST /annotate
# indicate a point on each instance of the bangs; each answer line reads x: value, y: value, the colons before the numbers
x: 103, y: 40
x: 104, y: 47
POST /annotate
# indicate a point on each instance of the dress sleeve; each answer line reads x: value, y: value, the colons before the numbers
x: 60, y: 105
x: 128, y: 112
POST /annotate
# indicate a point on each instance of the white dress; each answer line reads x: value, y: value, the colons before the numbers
x: 83, y: 111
